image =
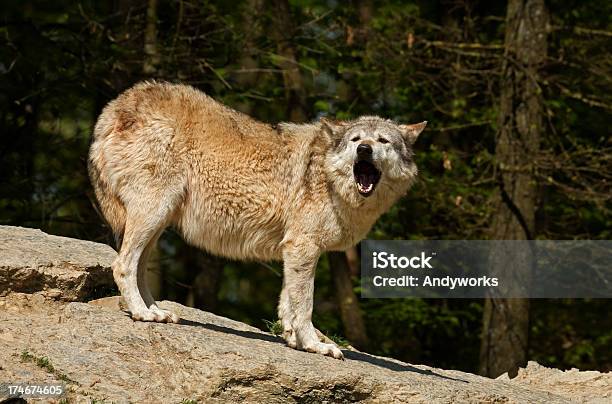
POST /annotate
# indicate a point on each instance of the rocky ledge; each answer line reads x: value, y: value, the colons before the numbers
x: 100, y: 355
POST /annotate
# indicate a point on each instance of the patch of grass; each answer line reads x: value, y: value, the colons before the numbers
x: 274, y: 327
x: 44, y: 363
x: 340, y: 341
x: 188, y: 401
x: 41, y: 362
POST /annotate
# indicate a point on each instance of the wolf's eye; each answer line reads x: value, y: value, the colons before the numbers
x: 383, y: 140
x: 355, y: 139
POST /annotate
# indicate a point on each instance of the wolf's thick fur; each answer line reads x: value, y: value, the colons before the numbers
x: 168, y: 155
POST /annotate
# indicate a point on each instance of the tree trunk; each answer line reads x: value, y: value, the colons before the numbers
x: 506, y: 321
x: 354, y: 328
x: 151, y: 53
x: 282, y: 32
x: 253, y: 27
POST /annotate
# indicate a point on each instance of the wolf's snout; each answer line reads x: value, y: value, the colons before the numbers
x: 364, y: 150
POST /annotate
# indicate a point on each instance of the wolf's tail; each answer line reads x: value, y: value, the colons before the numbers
x: 109, y: 203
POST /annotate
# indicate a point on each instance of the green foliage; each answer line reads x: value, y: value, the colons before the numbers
x: 274, y: 327
x: 44, y: 363
x: 582, y: 336
x: 339, y: 340
x: 418, y: 330
x: 41, y: 362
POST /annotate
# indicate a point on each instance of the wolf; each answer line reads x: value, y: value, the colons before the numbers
x: 169, y: 155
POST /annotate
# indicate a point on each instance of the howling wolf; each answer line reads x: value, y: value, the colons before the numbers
x: 168, y: 155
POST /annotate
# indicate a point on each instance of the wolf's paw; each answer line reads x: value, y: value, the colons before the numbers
x: 325, y: 349
x: 155, y: 314
x: 166, y: 315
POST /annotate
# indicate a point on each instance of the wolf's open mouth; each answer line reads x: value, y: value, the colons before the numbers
x: 366, y: 177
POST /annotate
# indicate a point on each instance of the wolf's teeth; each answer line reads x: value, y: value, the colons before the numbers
x: 364, y: 188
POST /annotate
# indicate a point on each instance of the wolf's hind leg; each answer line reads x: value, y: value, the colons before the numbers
x: 295, y: 308
x: 142, y: 225
x: 143, y: 287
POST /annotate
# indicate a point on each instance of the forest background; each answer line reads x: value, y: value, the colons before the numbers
x: 518, y: 96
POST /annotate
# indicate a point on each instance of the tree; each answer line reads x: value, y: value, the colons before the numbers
x: 520, y: 126
x: 151, y: 52
x: 283, y: 31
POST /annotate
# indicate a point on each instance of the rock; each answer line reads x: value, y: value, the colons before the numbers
x: 580, y: 386
x: 57, y: 267
x: 101, y: 354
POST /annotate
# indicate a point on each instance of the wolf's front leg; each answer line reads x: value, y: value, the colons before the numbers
x: 295, y: 308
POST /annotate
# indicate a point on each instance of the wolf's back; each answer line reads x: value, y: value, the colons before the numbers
x: 162, y: 149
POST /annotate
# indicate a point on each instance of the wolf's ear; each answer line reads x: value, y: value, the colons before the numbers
x: 411, y: 132
x: 334, y: 129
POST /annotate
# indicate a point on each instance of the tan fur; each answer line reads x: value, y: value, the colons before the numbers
x: 168, y: 155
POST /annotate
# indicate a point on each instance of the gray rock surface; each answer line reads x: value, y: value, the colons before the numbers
x: 100, y: 355
x: 58, y: 267
x: 581, y: 386
x: 104, y: 355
